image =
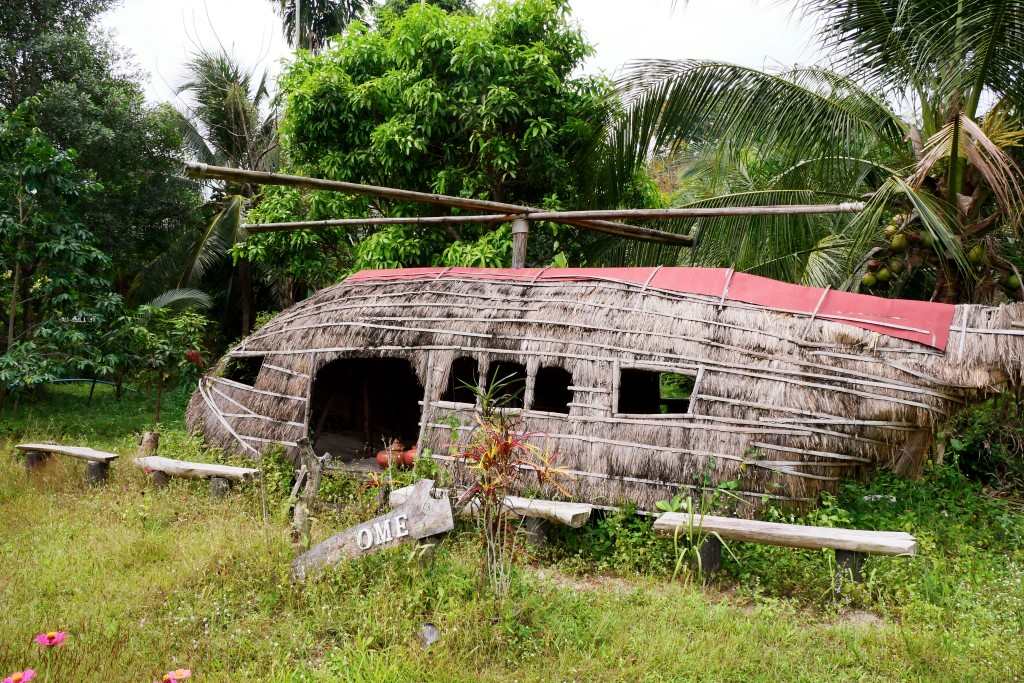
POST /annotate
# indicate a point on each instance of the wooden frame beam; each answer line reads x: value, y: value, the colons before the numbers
x: 197, y: 170
x: 569, y: 216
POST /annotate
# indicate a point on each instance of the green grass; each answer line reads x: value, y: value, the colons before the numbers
x: 145, y: 581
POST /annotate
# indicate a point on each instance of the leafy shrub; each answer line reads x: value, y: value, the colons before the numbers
x: 986, y: 441
x: 966, y: 539
x: 620, y: 542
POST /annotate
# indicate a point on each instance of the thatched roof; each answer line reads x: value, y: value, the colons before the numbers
x: 789, y: 399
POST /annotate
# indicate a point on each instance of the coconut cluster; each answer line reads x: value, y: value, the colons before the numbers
x: 910, y: 245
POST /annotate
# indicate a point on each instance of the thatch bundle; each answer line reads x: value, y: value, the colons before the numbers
x: 785, y: 404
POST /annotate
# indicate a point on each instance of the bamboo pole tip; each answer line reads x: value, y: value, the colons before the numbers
x: 195, y: 169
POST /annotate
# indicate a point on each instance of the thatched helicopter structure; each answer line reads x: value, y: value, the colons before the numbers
x: 646, y: 382
x: 784, y: 390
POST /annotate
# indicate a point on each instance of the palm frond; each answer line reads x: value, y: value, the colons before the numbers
x: 181, y: 299
x: 1002, y: 175
x: 776, y: 246
x: 321, y: 19
x: 194, y: 140
x: 215, y: 240
x: 810, y: 112
x: 936, y: 216
x: 936, y: 47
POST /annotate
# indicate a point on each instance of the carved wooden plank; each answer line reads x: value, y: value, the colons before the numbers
x: 572, y: 515
x: 82, y: 452
x: 195, y: 470
x: 790, y: 535
x: 421, y: 515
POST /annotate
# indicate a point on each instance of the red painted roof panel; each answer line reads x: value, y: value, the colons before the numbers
x: 919, y: 321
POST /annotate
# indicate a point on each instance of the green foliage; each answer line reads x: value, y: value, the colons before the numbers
x: 160, y: 341
x: 968, y: 540
x: 986, y: 442
x: 277, y: 474
x: 89, y: 201
x: 83, y: 95
x: 619, y: 542
x: 23, y: 368
x: 476, y: 105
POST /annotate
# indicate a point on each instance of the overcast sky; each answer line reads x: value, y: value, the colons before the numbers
x: 162, y: 33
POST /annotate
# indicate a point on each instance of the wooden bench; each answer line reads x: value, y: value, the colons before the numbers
x: 572, y: 515
x: 97, y: 462
x: 220, y: 476
x: 851, y: 545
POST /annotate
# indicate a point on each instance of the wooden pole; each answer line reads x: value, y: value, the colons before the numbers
x: 563, y: 216
x: 197, y: 170
x: 520, y: 233
x: 699, y: 212
x: 379, y: 220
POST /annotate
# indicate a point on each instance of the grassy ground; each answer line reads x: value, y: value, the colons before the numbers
x: 145, y: 581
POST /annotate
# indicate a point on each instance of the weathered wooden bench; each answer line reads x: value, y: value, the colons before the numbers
x: 851, y: 545
x: 572, y: 515
x: 220, y: 476
x: 97, y: 462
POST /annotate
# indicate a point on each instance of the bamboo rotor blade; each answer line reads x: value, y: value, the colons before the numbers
x: 197, y: 170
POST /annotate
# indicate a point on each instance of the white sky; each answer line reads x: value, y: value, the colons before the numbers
x: 162, y: 33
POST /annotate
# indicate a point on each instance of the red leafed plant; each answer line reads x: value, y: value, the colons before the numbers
x: 503, y: 461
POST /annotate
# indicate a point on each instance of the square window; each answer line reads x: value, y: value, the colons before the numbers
x: 551, y: 392
x: 650, y: 392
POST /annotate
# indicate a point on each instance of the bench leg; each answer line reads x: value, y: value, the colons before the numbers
x: 160, y: 480
x: 710, y: 553
x: 852, y: 561
x: 34, y: 459
x: 534, y: 530
x: 96, y: 472
x: 219, y: 487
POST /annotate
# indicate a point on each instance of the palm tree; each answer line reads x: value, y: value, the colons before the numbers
x: 943, y: 176
x: 320, y: 19
x: 231, y: 122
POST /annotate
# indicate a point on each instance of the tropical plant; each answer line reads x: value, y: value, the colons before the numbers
x: 944, y: 177
x: 231, y: 122
x: 501, y: 461
x: 320, y: 19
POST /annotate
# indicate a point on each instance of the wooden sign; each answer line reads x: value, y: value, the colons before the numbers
x: 420, y: 515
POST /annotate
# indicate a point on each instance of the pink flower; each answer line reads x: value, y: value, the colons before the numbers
x: 21, y: 676
x: 51, y: 638
x: 176, y: 675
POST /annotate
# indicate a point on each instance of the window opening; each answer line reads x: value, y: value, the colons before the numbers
x: 650, y: 392
x: 507, y: 384
x: 551, y: 392
x: 360, y: 405
x: 243, y: 369
x: 463, y: 378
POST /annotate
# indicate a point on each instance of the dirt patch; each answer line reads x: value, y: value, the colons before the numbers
x: 859, y: 617
x: 590, y: 582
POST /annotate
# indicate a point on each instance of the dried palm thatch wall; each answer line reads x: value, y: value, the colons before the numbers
x: 785, y: 404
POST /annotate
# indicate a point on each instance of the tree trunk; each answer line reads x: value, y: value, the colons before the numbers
x: 159, y: 392
x: 245, y: 295
x: 15, y: 288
